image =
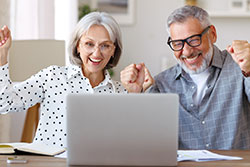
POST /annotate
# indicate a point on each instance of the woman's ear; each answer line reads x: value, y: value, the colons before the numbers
x: 114, y: 51
x: 78, y: 47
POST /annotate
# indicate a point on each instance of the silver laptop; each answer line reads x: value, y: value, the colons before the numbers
x: 122, y: 129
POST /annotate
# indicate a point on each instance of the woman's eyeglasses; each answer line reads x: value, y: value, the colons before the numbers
x: 90, y: 47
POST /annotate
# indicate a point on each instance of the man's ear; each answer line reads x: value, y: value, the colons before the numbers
x: 213, y: 34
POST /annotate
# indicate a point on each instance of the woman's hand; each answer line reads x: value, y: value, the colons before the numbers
x: 5, y: 43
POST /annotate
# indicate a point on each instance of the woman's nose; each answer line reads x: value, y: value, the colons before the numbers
x: 97, y: 50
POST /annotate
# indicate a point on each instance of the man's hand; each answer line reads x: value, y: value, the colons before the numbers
x: 132, y: 77
x: 148, y: 81
x: 240, y: 51
x: 136, y: 78
x: 5, y: 43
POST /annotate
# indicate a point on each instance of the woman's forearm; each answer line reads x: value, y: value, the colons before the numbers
x: 3, y: 57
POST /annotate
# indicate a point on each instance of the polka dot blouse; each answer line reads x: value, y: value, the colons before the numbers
x: 49, y: 87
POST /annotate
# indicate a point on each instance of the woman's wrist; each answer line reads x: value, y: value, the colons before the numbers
x: 3, y: 57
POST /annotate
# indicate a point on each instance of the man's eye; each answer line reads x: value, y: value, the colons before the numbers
x: 194, y: 41
x: 177, y: 44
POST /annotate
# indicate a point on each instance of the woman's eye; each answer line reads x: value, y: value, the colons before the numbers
x: 106, y: 45
x: 89, y: 44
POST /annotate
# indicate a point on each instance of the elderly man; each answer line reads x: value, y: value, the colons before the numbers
x: 213, y: 85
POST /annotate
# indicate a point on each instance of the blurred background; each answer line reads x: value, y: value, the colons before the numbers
x: 143, y: 29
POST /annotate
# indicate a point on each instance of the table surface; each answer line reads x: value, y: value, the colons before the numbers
x: 45, y: 161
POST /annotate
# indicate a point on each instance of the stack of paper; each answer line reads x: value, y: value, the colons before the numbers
x: 202, y: 155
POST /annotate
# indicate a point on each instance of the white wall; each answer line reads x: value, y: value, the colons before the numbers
x: 229, y: 29
x: 144, y: 41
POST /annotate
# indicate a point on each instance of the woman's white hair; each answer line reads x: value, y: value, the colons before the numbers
x: 96, y: 18
x: 180, y: 15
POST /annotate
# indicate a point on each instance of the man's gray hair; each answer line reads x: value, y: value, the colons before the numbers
x: 180, y: 15
x: 96, y: 18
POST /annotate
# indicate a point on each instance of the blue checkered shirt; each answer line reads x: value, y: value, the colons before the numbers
x: 222, y: 120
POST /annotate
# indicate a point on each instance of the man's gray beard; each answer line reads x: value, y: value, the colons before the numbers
x: 205, y: 62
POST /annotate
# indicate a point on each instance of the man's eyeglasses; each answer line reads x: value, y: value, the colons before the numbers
x: 90, y: 47
x: 193, y: 41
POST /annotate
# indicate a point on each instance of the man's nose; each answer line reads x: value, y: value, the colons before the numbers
x: 187, y: 50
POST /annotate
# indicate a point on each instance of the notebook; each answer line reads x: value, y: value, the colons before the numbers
x: 122, y: 129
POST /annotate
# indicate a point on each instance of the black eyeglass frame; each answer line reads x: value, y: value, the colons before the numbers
x: 186, y: 40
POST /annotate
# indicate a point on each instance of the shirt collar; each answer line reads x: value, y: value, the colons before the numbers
x: 75, y: 70
x: 178, y: 71
x: 107, y: 80
x: 218, y: 58
x: 217, y: 61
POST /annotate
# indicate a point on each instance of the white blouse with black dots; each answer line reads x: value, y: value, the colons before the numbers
x: 49, y: 87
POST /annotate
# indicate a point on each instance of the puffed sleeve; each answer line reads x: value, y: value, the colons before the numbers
x: 15, y: 97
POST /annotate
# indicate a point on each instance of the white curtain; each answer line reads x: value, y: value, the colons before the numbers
x: 33, y: 19
x: 66, y: 17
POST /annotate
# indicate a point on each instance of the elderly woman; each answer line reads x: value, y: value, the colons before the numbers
x: 95, y: 47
